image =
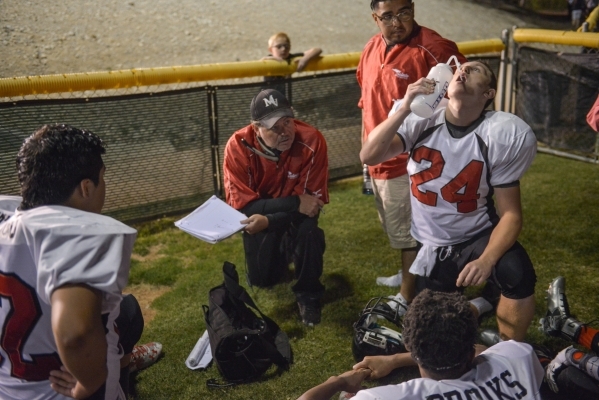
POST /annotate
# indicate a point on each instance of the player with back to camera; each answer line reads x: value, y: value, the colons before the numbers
x: 440, y: 332
x: 63, y: 267
x: 459, y: 159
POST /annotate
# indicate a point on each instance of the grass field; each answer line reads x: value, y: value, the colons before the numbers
x: 561, y: 216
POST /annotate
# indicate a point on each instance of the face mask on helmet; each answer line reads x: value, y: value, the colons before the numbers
x: 375, y: 332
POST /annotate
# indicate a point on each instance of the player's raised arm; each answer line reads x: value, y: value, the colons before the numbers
x: 383, y: 142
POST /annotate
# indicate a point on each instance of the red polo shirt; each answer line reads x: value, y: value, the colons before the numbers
x: 384, y: 76
x: 593, y: 116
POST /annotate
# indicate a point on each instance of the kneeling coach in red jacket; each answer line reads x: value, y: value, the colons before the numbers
x: 276, y: 173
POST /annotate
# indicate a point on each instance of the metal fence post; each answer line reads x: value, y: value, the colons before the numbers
x: 511, y: 93
x: 214, y: 145
x: 504, y: 59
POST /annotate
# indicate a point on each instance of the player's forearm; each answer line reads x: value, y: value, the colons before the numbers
x: 503, y: 237
x: 510, y: 224
x: 383, y: 143
x: 381, y: 366
x: 325, y: 390
x: 401, y: 360
x: 79, y: 334
x: 85, y: 359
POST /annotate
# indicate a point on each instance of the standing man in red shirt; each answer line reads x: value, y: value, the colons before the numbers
x: 276, y: 173
x: 400, y: 54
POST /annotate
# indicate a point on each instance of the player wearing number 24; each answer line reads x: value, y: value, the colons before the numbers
x: 459, y: 158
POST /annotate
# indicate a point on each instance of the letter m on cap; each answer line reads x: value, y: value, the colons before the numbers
x: 271, y: 101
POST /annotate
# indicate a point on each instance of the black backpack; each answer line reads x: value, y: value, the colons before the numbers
x: 244, y: 345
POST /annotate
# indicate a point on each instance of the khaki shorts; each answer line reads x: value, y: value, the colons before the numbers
x: 392, y: 197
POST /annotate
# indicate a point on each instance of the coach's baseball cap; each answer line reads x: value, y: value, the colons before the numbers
x: 269, y: 106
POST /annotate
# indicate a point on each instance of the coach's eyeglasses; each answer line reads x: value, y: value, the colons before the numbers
x: 402, y: 16
x: 282, y: 125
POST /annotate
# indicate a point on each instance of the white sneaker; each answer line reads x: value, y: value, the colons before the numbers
x: 399, y: 303
x: 391, y: 281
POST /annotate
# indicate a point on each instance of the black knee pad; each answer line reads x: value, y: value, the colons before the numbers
x: 514, y: 274
x: 576, y: 384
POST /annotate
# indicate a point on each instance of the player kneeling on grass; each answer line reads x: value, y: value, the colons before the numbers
x: 276, y: 172
x: 440, y: 331
x: 67, y: 331
x: 462, y: 160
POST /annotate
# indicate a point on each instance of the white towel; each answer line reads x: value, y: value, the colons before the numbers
x: 425, y: 261
x: 201, y: 355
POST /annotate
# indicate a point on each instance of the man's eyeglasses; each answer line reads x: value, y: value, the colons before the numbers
x: 402, y: 16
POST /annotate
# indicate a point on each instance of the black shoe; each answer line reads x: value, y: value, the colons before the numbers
x: 558, y: 322
x: 310, y: 313
x: 489, y: 337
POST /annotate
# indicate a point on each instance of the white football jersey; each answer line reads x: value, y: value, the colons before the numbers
x: 508, y: 370
x: 452, y: 176
x: 40, y: 250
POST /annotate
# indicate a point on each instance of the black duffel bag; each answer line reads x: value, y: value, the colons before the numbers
x: 244, y: 345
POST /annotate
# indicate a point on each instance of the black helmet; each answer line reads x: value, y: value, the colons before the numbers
x: 373, y: 339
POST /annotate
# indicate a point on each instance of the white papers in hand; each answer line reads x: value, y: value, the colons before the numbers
x: 213, y: 221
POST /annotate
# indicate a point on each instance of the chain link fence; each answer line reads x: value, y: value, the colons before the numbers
x: 166, y: 143
x: 165, y: 150
x: 554, y: 92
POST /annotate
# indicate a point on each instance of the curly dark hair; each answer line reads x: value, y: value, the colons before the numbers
x: 373, y: 3
x: 54, y: 160
x: 440, y: 331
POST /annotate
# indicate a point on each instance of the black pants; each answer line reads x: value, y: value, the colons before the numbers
x: 268, y: 254
x: 513, y: 274
x: 130, y: 325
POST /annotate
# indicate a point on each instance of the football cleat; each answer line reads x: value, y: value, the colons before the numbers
x: 557, y: 321
x: 144, y: 355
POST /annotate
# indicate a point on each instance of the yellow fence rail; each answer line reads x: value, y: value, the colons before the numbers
x: 124, y: 79
x: 585, y: 39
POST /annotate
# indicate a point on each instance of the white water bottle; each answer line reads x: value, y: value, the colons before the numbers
x: 424, y: 105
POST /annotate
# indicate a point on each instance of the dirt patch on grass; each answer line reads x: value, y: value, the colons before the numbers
x: 145, y: 295
x: 152, y: 255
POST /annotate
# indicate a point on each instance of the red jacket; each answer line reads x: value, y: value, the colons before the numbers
x: 385, y: 76
x: 593, y: 116
x: 304, y: 168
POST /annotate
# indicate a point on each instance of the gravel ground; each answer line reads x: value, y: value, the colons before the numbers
x: 62, y: 36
